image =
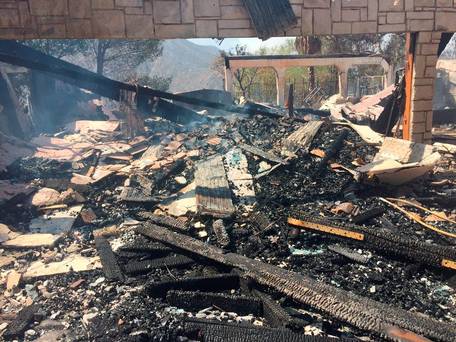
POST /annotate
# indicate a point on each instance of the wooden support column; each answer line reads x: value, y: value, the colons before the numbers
x: 409, y: 63
x: 343, y: 80
x: 229, y: 80
x: 281, y: 85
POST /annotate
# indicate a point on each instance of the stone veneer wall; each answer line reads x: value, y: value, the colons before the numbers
x: 213, y: 18
x: 424, y: 73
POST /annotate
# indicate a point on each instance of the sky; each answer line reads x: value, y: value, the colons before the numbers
x: 253, y: 44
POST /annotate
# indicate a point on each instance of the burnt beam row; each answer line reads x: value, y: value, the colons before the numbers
x: 222, y: 332
x: 111, y: 268
x: 344, y: 306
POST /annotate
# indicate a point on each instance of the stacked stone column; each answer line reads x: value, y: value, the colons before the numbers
x: 424, y: 72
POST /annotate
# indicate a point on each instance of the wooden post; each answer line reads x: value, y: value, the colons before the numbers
x: 410, y: 60
x: 290, y: 101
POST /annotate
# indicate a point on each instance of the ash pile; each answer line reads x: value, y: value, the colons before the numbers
x: 245, y: 229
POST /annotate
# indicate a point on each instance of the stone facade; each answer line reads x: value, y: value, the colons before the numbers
x: 424, y: 72
x: 213, y: 18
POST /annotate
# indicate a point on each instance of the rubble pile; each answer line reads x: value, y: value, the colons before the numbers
x: 248, y: 228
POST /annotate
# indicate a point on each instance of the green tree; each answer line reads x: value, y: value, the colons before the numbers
x: 244, y: 77
x: 118, y: 57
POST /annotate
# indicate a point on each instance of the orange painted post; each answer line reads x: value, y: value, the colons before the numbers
x: 410, y: 60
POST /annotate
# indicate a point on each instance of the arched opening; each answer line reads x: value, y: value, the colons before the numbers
x: 256, y: 84
x: 366, y: 80
x: 307, y: 94
x: 299, y: 78
x: 444, y: 100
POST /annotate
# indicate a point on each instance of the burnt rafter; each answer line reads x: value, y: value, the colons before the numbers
x: 271, y: 17
x: 17, y: 54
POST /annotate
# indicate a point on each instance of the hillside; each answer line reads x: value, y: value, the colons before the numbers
x: 188, y: 64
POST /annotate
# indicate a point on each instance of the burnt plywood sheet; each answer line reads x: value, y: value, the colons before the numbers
x: 56, y: 223
x: 213, y: 195
x: 271, y: 17
x: 301, y: 138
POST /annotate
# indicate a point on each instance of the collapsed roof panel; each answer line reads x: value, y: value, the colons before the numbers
x: 271, y: 17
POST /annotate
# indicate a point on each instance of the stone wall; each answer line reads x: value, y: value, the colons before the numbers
x: 21, y: 19
x: 424, y: 73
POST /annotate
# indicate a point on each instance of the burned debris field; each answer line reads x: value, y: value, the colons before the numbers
x: 236, y: 229
x: 227, y: 170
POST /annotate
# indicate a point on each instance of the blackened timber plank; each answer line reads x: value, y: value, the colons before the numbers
x: 275, y: 315
x: 301, y: 138
x: 356, y: 257
x: 368, y: 214
x: 361, y: 312
x: 195, y: 301
x: 332, y: 151
x: 165, y: 221
x: 217, y: 282
x: 220, y: 232
x: 213, y: 194
x: 154, y: 249
x: 111, y: 268
x: 145, y: 266
x: 24, y: 318
x: 261, y: 221
x: 212, y: 331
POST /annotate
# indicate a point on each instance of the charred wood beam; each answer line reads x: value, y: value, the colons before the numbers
x: 111, y: 268
x: 349, y: 254
x: 368, y: 215
x: 275, y: 315
x: 446, y: 201
x: 151, y: 249
x: 220, y: 232
x: 393, y: 109
x: 17, y: 54
x: 211, y: 331
x: 17, y: 327
x: 382, y: 240
x: 165, y: 221
x: 332, y: 151
x: 217, y: 282
x: 145, y: 266
x: 195, y: 301
x: 344, y: 306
